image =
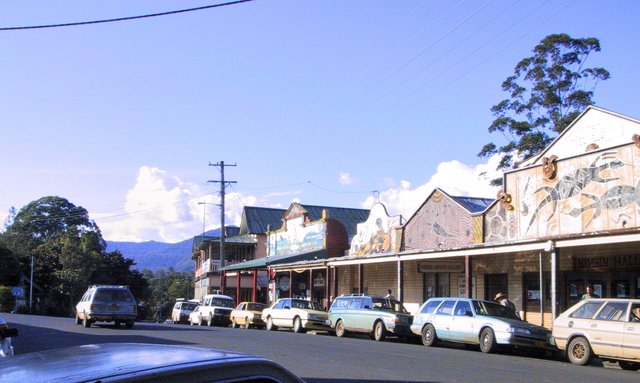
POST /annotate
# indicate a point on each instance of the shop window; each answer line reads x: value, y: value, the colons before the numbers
x: 621, y: 289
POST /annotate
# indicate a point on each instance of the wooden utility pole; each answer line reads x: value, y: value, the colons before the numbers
x: 223, y: 186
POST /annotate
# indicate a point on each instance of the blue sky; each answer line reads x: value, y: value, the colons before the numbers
x: 320, y: 102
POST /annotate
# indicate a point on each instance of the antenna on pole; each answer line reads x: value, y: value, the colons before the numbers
x: 223, y: 185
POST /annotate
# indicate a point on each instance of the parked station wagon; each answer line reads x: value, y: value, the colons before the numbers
x: 477, y: 322
x: 606, y: 328
x: 299, y: 314
x: 376, y: 316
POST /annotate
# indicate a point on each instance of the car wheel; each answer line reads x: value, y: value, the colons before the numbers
x: 116, y: 324
x: 629, y: 366
x: 78, y: 320
x: 85, y: 321
x: 429, y: 336
x: 340, y: 330
x: 579, y: 351
x: 488, y: 341
x: 379, y: 331
x: 246, y: 324
x: 270, y: 326
x: 129, y: 324
x: 234, y: 324
x: 297, y: 325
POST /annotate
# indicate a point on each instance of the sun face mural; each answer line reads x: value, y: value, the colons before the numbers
x: 375, y: 235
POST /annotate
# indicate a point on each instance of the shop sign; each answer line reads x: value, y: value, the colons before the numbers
x: 441, y: 267
x: 610, y: 262
x: 318, y: 281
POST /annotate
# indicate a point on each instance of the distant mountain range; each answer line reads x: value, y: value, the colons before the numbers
x: 159, y: 255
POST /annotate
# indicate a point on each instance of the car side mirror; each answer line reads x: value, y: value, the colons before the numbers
x: 367, y: 307
x: 286, y: 307
x: 468, y: 313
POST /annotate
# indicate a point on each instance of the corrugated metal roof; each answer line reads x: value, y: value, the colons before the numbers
x: 256, y: 220
x: 348, y: 217
x: 261, y: 263
x: 473, y: 204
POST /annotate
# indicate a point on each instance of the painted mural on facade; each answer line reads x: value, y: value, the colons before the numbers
x: 496, y: 224
x: 376, y: 234
x: 594, y: 192
x: 297, y: 236
x: 439, y: 223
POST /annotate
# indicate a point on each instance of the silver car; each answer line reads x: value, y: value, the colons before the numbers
x: 477, y: 322
x: 6, y: 333
x: 107, y: 303
x: 135, y: 362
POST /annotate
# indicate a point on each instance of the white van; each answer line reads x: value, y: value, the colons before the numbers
x: 216, y: 309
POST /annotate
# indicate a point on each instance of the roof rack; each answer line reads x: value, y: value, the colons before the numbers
x: 116, y: 286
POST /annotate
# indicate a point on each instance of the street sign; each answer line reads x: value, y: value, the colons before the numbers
x: 17, y: 291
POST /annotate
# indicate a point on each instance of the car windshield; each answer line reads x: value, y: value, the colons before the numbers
x: 388, y: 304
x: 494, y: 310
x: 189, y: 306
x: 113, y: 295
x: 221, y: 302
x: 255, y: 307
x: 302, y: 304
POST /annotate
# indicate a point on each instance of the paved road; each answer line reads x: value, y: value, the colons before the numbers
x: 319, y: 358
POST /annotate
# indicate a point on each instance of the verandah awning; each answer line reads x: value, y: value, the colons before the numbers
x: 262, y: 263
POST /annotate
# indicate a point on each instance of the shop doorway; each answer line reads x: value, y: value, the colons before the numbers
x: 494, y: 284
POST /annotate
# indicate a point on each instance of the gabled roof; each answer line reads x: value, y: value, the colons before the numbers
x: 609, y: 129
x: 473, y: 204
x: 257, y: 220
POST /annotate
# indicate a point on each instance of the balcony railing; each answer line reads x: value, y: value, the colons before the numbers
x: 214, y: 265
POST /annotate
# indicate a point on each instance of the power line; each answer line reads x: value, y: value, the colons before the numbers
x: 124, y: 18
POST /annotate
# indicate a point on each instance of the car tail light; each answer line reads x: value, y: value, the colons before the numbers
x: 396, y: 320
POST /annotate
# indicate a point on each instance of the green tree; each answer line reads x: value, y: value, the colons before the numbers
x: 9, y: 267
x: 115, y: 269
x: 6, y: 298
x: 547, y: 91
x: 65, y: 245
x: 166, y: 287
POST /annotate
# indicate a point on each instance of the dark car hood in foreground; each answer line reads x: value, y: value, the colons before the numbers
x: 91, y: 363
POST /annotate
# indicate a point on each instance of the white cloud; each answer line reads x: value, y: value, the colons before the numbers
x: 453, y: 177
x: 164, y: 208
x: 345, y: 178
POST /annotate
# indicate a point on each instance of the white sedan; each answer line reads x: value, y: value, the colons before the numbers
x: 299, y: 314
